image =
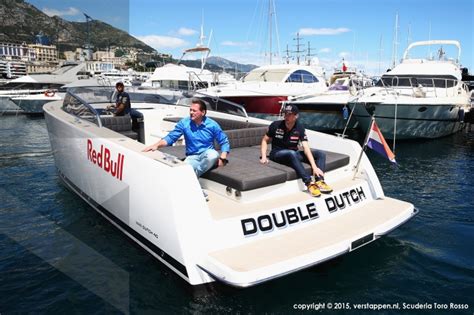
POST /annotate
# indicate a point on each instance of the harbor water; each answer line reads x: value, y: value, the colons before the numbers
x: 58, y: 255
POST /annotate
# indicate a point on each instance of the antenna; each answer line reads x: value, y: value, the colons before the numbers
x: 287, y: 54
x: 380, y: 54
x: 430, y: 56
x: 88, y: 35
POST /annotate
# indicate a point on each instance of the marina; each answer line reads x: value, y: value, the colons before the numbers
x: 140, y: 174
x: 50, y: 260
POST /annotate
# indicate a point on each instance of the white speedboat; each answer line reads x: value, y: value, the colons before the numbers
x: 258, y: 225
x: 32, y: 104
x: 181, y: 77
x: 263, y: 89
x: 29, y: 93
x: 419, y: 98
x: 328, y: 110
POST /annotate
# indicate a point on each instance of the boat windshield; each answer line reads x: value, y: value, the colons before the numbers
x: 88, y: 96
x: 338, y: 87
x: 441, y: 81
x: 266, y: 75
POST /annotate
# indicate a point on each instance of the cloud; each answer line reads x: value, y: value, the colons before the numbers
x: 323, y: 31
x: 68, y: 12
x: 162, y: 42
x: 344, y: 54
x: 183, y: 31
x: 237, y: 44
x: 324, y: 50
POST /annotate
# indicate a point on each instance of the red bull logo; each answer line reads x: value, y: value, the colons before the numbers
x: 103, y: 159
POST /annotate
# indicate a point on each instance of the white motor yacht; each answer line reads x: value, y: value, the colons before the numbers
x: 419, y: 98
x: 263, y: 89
x: 259, y: 223
x: 328, y: 110
x: 29, y: 93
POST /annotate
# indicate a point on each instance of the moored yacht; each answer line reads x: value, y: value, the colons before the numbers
x: 263, y: 89
x: 29, y: 93
x: 419, y: 98
x: 328, y: 110
x: 259, y: 223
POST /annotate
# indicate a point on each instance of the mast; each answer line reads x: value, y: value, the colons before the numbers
x: 298, y: 45
x: 270, y: 28
x: 395, y: 43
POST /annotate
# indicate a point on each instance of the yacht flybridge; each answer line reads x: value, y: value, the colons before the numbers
x: 259, y: 223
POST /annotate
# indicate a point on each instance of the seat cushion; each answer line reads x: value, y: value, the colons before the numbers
x: 245, y: 172
x: 245, y: 175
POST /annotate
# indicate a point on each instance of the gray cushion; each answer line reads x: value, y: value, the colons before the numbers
x: 245, y: 137
x: 244, y: 171
x: 245, y: 175
x: 117, y: 123
x: 120, y: 124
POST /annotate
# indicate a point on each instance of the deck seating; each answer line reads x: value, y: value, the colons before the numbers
x: 120, y: 124
x: 225, y: 124
x: 244, y: 172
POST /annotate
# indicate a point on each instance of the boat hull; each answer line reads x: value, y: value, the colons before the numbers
x: 410, y: 121
x: 269, y: 105
x: 97, y: 165
x: 142, y: 195
x: 7, y: 106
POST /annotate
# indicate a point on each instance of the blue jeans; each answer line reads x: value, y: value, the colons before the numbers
x: 203, y: 162
x: 295, y: 159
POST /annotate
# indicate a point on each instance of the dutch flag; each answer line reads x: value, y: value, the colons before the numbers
x: 376, y: 142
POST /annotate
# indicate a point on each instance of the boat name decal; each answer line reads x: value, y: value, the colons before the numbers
x: 284, y: 218
x: 102, y: 158
x: 340, y: 201
x: 267, y: 222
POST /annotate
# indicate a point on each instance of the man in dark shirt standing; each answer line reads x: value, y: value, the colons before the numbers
x: 285, y: 136
x: 122, y: 102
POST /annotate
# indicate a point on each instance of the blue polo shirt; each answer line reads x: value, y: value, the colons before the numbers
x: 199, y: 138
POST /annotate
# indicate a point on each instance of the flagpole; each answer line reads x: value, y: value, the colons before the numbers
x: 363, y: 147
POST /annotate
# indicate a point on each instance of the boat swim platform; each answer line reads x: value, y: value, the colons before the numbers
x: 273, y: 257
x: 222, y: 207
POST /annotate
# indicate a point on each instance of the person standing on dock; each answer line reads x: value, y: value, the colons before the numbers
x: 285, y: 135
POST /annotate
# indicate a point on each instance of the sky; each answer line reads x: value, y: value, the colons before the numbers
x: 362, y: 32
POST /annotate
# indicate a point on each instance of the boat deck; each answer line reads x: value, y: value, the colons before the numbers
x: 222, y: 207
x: 275, y: 256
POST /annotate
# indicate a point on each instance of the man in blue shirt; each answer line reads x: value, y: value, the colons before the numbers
x: 199, y: 134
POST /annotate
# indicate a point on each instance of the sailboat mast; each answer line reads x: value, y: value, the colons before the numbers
x: 270, y: 27
x: 395, y: 43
